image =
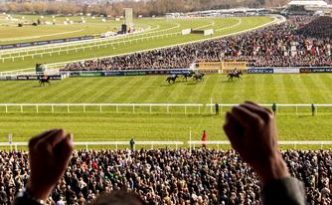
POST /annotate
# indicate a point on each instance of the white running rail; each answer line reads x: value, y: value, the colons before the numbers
x: 177, y: 144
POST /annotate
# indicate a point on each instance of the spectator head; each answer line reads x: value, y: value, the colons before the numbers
x: 119, y: 198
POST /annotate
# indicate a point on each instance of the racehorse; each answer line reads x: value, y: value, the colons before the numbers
x: 233, y: 75
x: 171, y: 79
x: 198, y: 76
x: 44, y: 79
x: 187, y: 75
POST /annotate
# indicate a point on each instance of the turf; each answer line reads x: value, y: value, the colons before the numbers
x: 293, y: 89
x: 101, y: 127
x: 158, y: 27
x: 95, y: 126
x: 50, y: 32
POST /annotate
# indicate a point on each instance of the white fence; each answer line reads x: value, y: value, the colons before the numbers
x: 153, y: 108
x: 115, y: 144
x: 58, y: 49
x: 295, y: 108
x: 101, y: 107
x: 175, y: 144
x: 294, y: 144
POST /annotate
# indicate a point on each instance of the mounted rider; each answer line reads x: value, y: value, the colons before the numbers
x: 235, y: 71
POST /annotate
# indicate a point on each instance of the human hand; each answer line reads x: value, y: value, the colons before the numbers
x: 252, y: 132
x: 49, y: 155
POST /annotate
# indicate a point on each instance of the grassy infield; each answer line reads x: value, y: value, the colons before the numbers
x: 94, y: 126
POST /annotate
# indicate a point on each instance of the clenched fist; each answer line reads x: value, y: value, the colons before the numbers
x: 49, y: 155
x: 252, y: 132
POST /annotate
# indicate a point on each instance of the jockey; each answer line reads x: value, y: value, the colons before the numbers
x: 45, y: 77
x: 235, y: 71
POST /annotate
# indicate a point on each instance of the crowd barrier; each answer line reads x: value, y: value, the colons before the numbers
x: 41, y: 43
x: 288, y: 70
x: 181, y: 71
x: 125, y: 72
x: 137, y: 72
x: 31, y: 77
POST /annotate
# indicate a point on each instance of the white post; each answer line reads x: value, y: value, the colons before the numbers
x: 6, y: 108
x: 37, y: 109
x: 185, y: 110
x: 52, y: 108
x: 211, y: 109
x: 21, y: 108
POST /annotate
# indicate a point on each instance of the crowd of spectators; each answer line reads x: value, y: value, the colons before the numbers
x: 319, y: 28
x: 301, y: 41
x: 169, y: 177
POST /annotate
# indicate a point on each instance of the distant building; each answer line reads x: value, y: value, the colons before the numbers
x: 308, y: 3
x: 307, y: 7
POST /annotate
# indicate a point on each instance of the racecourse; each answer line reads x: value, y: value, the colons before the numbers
x: 157, y: 33
x: 156, y: 124
x: 96, y: 126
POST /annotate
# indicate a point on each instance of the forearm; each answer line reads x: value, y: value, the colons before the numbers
x: 272, y: 168
x: 279, y: 186
x: 286, y: 191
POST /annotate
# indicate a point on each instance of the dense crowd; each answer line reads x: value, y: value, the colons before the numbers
x: 169, y: 177
x: 320, y: 27
x: 301, y: 41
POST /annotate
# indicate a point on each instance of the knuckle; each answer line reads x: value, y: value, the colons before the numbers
x: 260, y: 122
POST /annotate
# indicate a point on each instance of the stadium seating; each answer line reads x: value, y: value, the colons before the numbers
x: 169, y: 176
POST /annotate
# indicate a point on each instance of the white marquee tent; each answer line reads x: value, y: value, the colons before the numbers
x: 319, y: 3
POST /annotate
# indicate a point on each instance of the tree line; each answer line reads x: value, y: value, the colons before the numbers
x: 144, y: 8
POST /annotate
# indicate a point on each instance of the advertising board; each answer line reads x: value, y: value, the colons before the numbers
x: 315, y: 70
x: 286, y: 70
x: 260, y: 71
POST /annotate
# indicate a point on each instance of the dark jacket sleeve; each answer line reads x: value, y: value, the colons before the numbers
x: 22, y: 199
x: 288, y: 191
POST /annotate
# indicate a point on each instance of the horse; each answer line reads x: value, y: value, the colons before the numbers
x: 187, y: 75
x: 171, y: 79
x: 233, y: 75
x: 198, y: 76
x: 44, y: 79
